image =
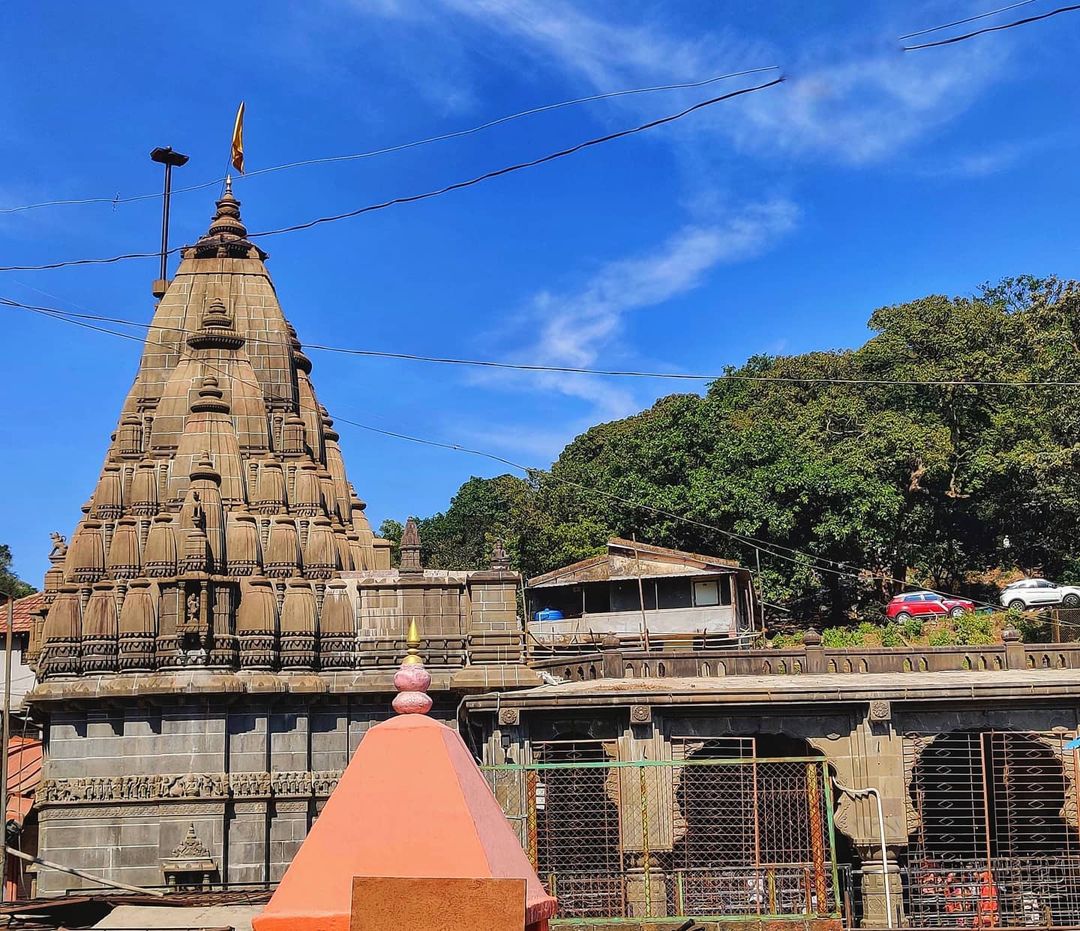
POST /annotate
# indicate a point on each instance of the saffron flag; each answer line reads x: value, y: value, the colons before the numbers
x: 238, y: 140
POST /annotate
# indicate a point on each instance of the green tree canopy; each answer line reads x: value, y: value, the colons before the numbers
x: 848, y: 486
x: 11, y: 585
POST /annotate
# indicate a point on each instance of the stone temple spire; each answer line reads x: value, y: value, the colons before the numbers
x: 410, y: 549
x: 223, y: 510
x: 227, y: 236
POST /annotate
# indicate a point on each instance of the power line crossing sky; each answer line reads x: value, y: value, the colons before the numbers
x: 772, y: 223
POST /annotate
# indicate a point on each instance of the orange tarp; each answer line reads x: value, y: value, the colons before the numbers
x: 412, y: 803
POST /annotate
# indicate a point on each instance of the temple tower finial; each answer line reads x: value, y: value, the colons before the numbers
x: 409, y: 563
x: 412, y: 680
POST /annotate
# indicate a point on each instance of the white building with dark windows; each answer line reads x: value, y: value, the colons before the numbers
x: 639, y: 593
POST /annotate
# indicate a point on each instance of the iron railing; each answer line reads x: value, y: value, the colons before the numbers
x: 702, y: 838
x: 1025, y: 892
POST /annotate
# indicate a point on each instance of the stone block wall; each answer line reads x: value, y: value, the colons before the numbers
x: 121, y: 787
x: 495, y: 632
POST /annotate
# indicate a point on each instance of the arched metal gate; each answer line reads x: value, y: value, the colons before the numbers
x: 993, y: 838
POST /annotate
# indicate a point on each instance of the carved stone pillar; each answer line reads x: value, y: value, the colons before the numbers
x: 875, y: 903
x: 646, y: 888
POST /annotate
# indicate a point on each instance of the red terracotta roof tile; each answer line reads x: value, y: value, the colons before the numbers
x: 25, y: 609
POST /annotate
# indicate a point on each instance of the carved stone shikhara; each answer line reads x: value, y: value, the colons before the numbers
x: 224, y: 573
x: 222, y: 425
x: 223, y: 527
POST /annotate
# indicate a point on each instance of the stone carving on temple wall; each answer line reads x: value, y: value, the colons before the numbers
x: 197, y: 785
x: 291, y: 783
x: 105, y: 812
x: 323, y: 783
x: 132, y: 788
x: 249, y: 784
x: 59, y: 547
x: 880, y: 710
x: 210, y: 786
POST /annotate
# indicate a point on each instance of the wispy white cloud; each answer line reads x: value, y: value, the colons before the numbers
x: 861, y: 107
x: 606, y: 53
x: 583, y: 327
x: 989, y: 160
x: 576, y: 328
x: 852, y: 98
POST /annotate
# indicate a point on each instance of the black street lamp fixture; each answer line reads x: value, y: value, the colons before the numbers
x: 165, y: 155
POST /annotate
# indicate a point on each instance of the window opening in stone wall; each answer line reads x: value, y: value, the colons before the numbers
x: 576, y: 847
x: 993, y: 837
x: 716, y: 831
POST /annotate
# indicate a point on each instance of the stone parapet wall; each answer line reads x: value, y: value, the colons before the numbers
x: 630, y: 662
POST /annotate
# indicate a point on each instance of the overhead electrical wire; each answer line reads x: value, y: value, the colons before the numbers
x: 427, y: 195
x: 981, y: 32
x: 546, y: 108
x: 386, y: 150
x: 71, y: 262
x: 574, y: 370
x: 519, y: 166
x: 961, y: 22
x: 776, y: 550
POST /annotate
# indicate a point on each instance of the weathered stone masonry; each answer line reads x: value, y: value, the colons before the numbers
x: 224, y: 624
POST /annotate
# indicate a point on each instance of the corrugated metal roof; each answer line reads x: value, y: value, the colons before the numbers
x: 626, y: 559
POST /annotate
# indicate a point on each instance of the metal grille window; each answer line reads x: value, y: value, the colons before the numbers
x: 574, y: 828
x: 993, y: 839
x: 709, y: 835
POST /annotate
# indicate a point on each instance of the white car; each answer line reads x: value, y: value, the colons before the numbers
x: 1037, y: 593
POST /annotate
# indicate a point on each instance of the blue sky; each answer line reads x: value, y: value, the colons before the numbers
x: 773, y: 223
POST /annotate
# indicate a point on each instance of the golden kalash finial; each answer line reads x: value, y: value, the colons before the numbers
x: 412, y: 680
x: 412, y: 641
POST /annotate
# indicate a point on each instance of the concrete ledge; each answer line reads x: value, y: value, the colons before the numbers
x: 798, y: 689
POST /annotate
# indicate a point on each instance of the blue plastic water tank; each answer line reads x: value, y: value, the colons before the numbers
x: 548, y: 614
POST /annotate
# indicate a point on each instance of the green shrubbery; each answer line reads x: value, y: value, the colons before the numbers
x: 965, y: 630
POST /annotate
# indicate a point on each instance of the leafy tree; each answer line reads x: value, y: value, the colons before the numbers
x: 11, y: 586
x: 851, y: 489
x: 484, y: 512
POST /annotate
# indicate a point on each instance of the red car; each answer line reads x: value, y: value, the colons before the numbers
x: 919, y: 604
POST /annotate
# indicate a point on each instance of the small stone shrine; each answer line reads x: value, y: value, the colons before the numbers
x: 411, y: 837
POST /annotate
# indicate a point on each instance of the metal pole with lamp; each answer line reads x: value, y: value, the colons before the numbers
x: 165, y: 155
